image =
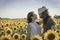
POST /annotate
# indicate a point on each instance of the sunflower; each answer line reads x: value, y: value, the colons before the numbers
x: 14, y: 28
x: 2, y: 33
x: 5, y: 28
x: 51, y: 35
x: 18, y: 26
x: 2, y: 26
x: 23, y: 36
x: 8, y: 31
x: 6, y: 37
x: 59, y: 38
x: 58, y: 31
x: 22, y: 25
x: 25, y: 31
x: 36, y: 37
x: 25, y: 26
x: 16, y: 36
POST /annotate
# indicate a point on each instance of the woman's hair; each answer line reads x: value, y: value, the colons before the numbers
x: 29, y: 19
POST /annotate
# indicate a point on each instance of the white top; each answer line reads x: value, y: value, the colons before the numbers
x: 35, y: 29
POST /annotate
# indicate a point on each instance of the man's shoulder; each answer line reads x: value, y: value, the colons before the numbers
x: 50, y: 20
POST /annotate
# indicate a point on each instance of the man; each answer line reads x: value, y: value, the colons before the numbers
x: 48, y: 23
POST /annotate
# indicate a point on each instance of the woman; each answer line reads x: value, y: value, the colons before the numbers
x: 33, y: 28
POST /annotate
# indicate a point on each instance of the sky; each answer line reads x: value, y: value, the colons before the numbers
x: 20, y: 8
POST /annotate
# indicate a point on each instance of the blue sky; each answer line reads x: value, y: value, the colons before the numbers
x: 20, y: 8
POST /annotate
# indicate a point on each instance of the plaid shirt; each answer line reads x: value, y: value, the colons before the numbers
x: 49, y: 25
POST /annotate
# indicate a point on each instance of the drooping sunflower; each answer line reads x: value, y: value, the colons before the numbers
x: 16, y: 36
x: 36, y: 37
x: 51, y: 35
x: 23, y: 37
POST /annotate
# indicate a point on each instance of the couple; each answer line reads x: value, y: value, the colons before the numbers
x: 34, y: 28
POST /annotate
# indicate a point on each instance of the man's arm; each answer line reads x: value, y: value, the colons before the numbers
x: 51, y: 23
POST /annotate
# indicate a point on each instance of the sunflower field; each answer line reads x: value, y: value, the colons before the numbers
x: 16, y: 29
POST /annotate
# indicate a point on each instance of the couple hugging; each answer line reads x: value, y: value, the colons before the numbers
x: 34, y: 28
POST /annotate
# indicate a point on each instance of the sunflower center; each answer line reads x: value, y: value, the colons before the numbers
x: 51, y: 36
x: 35, y: 39
x: 23, y: 36
x: 20, y: 26
x: 8, y: 31
x: 2, y: 26
x: 16, y: 36
x: 58, y: 31
x: 14, y: 28
x: 6, y: 24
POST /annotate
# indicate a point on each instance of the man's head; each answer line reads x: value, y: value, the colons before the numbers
x: 43, y: 12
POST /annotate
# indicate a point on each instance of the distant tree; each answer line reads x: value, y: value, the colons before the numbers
x: 0, y: 17
x: 57, y: 16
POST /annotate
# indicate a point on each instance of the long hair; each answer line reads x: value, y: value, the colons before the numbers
x: 29, y: 19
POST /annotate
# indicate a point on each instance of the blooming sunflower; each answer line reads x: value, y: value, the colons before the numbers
x: 25, y: 31
x: 58, y: 31
x: 36, y: 37
x: 5, y: 28
x: 2, y: 33
x: 22, y: 25
x: 23, y: 37
x: 14, y: 28
x: 2, y: 26
x: 18, y: 26
x: 16, y: 36
x: 6, y: 37
x: 51, y: 35
x: 8, y: 31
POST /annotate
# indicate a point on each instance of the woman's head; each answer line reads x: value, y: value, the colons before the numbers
x: 31, y: 17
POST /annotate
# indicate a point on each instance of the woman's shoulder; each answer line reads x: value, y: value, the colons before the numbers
x: 29, y: 24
